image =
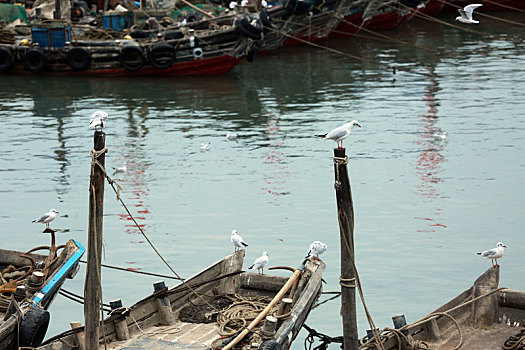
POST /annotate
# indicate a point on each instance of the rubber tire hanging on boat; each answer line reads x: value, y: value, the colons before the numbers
x: 270, y: 345
x: 33, y: 327
x: 6, y: 58
x: 266, y: 20
x: 162, y: 55
x: 78, y: 58
x: 131, y: 58
x: 244, y: 26
x: 35, y: 60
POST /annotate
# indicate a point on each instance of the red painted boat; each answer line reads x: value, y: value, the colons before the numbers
x: 387, y: 20
x: 493, y: 5
x: 433, y: 6
x: 352, y: 24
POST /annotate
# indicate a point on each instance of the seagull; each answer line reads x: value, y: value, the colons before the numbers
x: 244, y: 3
x: 230, y: 136
x: 494, y: 254
x: 316, y: 248
x: 440, y: 136
x: 121, y: 169
x: 260, y: 263
x: 205, y: 146
x: 98, y: 119
x: 232, y: 5
x: 466, y: 14
x: 264, y: 4
x: 340, y: 133
x: 237, y: 240
x: 47, y: 217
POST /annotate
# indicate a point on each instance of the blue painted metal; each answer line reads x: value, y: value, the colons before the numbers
x: 60, y: 276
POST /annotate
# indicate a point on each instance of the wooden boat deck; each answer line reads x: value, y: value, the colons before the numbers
x: 177, y: 336
x: 475, y: 338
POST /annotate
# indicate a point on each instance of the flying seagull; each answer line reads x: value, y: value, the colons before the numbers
x: 316, y: 248
x: 466, y: 14
x: 205, y: 146
x: 47, y: 217
x: 260, y: 263
x: 340, y: 133
x: 98, y: 119
x: 494, y: 254
x: 237, y: 240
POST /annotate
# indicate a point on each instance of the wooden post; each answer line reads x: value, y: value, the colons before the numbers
x: 92, y: 288
x: 345, y: 213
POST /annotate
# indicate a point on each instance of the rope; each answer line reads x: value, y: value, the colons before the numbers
x: 325, y: 339
x: 95, y: 154
x: 488, y: 16
x: 135, y: 271
x: 339, y: 161
x: 515, y: 342
x: 343, y: 284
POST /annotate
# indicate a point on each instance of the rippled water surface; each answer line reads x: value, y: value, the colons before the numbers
x: 437, y: 169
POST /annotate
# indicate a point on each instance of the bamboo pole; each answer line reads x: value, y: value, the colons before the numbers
x: 345, y: 213
x: 263, y: 313
x: 92, y: 288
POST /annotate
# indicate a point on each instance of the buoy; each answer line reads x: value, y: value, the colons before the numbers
x: 24, y: 42
x: 128, y: 37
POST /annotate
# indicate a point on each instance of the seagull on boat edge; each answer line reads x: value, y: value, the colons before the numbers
x: 466, y: 14
x: 316, y: 248
x: 494, y: 254
x: 237, y: 240
x: 260, y: 263
x: 340, y: 133
x: 47, y: 217
x: 98, y: 119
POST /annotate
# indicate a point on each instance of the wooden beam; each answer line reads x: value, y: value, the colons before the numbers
x: 92, y: 288
x: 512, y: 298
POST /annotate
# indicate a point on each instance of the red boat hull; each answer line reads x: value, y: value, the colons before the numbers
x: 295, y: 42
x: 520, y: 4
x: 433, y: 7
x: 388, y: 20
x: 351, y: 25
x: 207, y: 66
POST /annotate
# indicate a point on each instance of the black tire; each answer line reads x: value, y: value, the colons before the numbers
x: 173, y: 34
x: 35, y: 60
x: 193, y: 17
x: 138, y: 34
x: 6, y: 58
x: 131, y: 57
x: 33, y: 327
x: 244, y: 26
x: 266, y: 20
x: 78, y: 58
x: 162, y: 55
x: 270, y: 345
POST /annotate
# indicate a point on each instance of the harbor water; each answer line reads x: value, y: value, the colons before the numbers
x: 437, y: 168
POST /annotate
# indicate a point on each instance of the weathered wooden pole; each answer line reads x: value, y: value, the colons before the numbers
x: 345, y: 213
x: 92, y: 287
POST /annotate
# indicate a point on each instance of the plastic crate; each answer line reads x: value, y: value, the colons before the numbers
x: 51, y: 37
x: 117, y: 22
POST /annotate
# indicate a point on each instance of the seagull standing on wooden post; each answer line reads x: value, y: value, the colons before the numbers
x: 340, y: 133
x: 316, y: 248
x: 494, y: 254
x: 237, y: 240
x: 466, y: 14
x: 260, y: 263
x: 98, y: 119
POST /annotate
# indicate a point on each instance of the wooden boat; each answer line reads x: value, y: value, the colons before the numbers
x: 28, y: 284
x: 198, y: 312
x: 206, y: 47
x: 483, y: 317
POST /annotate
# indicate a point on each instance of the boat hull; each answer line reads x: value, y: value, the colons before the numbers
x: 352, y: 24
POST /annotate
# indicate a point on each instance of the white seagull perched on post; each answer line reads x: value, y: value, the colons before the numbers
x: 316, y: 248
x: 340, y: 133
x: 494, y: 254
x: 466, y: 14
x: 260, y: 263
x: 237, y: 240
x: 98, y: 119
x: 47, y: 217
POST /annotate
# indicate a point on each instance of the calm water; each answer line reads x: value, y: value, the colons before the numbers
x: 424, y: 205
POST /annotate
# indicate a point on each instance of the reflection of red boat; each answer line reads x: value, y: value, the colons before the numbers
x: 351, y: 24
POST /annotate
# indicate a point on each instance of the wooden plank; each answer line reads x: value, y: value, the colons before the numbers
x: 12, y: 257
x: 512, y: 298
x: 262, y: 282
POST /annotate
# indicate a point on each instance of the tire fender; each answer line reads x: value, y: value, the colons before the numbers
x: 35, y: 60
x: 131, y: 58
x: 6, y: 58
x: 33, y: 327
x: 162, y: 55
x: 78, y: 58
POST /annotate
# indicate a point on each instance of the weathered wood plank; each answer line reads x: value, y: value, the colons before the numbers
x: 262, y: 282
x: 512, y: 298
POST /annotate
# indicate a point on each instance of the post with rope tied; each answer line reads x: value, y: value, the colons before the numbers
x: 345, y: 214
x: 92, y: 286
